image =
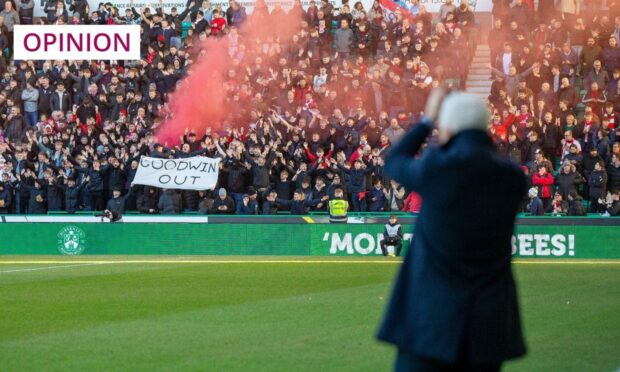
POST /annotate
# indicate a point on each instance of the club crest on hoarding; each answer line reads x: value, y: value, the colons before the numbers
x: 71, y: 241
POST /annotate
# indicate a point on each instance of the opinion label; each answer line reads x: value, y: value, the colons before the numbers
x: 45, y: 42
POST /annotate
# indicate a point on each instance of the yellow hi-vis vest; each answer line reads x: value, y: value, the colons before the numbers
x: 338, y: 207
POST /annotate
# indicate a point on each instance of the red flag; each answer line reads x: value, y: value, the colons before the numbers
x: 390, y: 6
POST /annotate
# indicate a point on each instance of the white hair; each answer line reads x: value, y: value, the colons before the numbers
x: 462, y: 111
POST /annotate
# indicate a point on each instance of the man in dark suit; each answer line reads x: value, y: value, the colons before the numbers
x: 454, y: 305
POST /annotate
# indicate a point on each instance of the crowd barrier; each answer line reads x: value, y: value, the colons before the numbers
x: 565, y: 237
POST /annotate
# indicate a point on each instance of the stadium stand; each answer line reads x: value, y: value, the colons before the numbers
x: 554, y: 97
x: 314, y: 114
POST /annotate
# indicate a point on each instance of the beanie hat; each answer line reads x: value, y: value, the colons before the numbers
x: 533, y: 192
x: 222, y: 192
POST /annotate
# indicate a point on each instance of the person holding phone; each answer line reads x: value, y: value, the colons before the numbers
x: 454, y: 305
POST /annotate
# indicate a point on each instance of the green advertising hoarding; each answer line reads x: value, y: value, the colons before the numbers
x: 548, y: 241
x: 303, y: 239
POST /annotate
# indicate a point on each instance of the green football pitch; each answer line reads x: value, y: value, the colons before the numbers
x: 256, y: 314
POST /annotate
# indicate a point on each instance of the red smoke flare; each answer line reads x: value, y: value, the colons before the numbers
x: 201, y: 100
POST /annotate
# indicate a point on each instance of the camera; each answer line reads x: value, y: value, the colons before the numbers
x: 111, y: 216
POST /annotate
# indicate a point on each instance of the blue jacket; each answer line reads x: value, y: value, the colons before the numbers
x: 72, y: 197
x: 536, y: 207
x: 35, y: 206
x: 55, y: 196
x: 455, y: 289
x: 378, y: 204
x: 5, y: 195
x: 251, y: 208
x: 357, y: 177
x: 298, y: 207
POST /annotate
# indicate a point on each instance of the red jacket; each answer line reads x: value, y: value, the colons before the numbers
x: 313, y: 158
x: 544, y: 183
x: 502, y: 129
x: 84, y: 126
x: 217, y: 25
x: 300, y: 94
x: 413, y: 203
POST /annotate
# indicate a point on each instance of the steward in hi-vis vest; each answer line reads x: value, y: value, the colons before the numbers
x: 338, y: 208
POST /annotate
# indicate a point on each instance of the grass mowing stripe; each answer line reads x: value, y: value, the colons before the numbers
x: 566, y: 262
x: 267, y: 335
x: 49, y: 267
x: 288, y: 261
x: 273, y: 317
x: 203, y: 261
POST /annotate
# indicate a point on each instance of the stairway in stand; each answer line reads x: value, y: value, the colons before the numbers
x: 478, y: 80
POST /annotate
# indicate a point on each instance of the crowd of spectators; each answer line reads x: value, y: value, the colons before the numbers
x: 321, y: 112
x: 308, y: 117
x: 555, y: 98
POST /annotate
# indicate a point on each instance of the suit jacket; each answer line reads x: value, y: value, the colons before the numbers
x: 455, y: 288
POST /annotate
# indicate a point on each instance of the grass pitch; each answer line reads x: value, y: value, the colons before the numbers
x: 237, y: 314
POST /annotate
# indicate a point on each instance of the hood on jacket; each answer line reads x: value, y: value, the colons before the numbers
x: 573, y: 169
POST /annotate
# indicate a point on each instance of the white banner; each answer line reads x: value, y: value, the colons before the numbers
x: 52, y: 42
x: 196, y: 173
x: 69, y: 218
x: 39, y: 5
x: 431, y: 5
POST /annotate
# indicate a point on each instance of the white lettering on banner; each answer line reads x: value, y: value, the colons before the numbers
x: 39, y: 6
x: 196, y: 173
x: 513, y: 244
x: 339, y: 245
x: 431, y: 5
x: 358, y: 243
x: 49, y: 42
x: 363, y: 243
x: 543, y: 245
x: 523, y: 245
x: 542, y: 248
x: 558, y: 243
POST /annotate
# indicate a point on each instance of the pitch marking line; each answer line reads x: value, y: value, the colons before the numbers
x: 49, y: 267
x: 275, y: 261
x: 99, y: 262
x: 567, y: 262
